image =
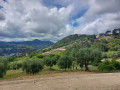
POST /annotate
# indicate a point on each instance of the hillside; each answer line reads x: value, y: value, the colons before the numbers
x: 108, y: 41
x: 66, y: 42
x: 71, y: 39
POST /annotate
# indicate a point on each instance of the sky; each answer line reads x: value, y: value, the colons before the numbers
x: 22, y: 20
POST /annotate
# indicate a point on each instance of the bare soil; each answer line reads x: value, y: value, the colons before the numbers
x: 65, y: 81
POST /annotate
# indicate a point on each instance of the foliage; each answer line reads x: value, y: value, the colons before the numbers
x: 3, y: 66
x: 16, y: 65
x: 105, y: 66
x: 32, y: 54
x: 51, y: 59
x: 109, y: 65
x: 114, y: 45
x: 116, y: 32
x: 32, y: 65
x: 2, y: 70
x: 85, y: 56
x: 115, y: 64
x: 104, y: 55
x: 40, y: 56
x: 97, y: 56
x: 11, y: 58
x: 113, y: 54
x: 65, y: 62
x: 101, y: 44
x: 73, y: 38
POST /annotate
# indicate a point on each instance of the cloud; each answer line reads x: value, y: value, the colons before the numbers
x: 78, y: 5
x: 2, y: 17
x: 33, y: 20
x: 53, y: 20
x: 101, y: 16
x: 101, y: 7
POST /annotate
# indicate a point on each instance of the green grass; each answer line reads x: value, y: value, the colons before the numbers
x: 93, y: 68
x: 11, y: 74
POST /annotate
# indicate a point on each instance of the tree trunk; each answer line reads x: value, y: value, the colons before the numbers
x: 76, y: 68
x: 65, y: 69
x: 86, y: 66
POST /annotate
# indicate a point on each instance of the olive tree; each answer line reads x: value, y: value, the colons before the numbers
x: 32, y: 65
x: 97, y: 56
x: 85, y: 56
x: 65, y: 62
x: 51, y: 60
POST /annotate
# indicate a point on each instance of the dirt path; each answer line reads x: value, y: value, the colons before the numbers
x: 105, y: 81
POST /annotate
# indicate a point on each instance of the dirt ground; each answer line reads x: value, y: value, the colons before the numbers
x: 104, y: 81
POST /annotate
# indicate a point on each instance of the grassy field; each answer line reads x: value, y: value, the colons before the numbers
x: 12, y: 74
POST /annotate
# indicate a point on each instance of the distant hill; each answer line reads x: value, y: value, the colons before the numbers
x: 37, y: 44
x: 15, y: 48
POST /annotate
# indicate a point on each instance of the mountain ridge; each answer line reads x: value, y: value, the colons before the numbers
x: 22, y: 47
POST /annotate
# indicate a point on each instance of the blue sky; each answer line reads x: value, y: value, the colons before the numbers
x: 21, y: 20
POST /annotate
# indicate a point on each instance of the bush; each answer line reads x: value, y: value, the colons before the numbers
x: 32, y: 54
x: 3, y: 66
x: 65, y: 62
x: 11, y: 58
x: 113, y: 54
x: 32, y: 66
x: 109, y: 65
x: 40, y: 56
x: 104, y: 54
x: 116, y: 64
x: 15, y: 65
x: 2, y: 70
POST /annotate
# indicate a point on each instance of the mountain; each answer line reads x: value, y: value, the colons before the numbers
x: 37, y: 44
x: 15, y: 48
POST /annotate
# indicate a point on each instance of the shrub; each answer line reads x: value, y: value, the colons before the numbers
x: 32, y: 54
x: 109, y: 65
x: 2, y: 70
x: 40, y: 56
x: 11, y: 58
x: 116, y: 64
x: 15, y: 65
x: 19, y: 65
x: 3, y: 66
x: 105, y: 66
x: 112, y: 54
x: 32, y: 65
x: 104, y: 54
